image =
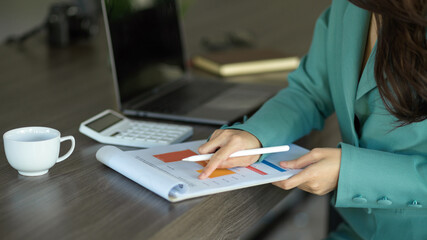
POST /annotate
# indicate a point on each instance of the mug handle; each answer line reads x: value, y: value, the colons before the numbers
x: 73, y: 143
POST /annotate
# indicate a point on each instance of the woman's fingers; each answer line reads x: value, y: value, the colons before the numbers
x: 225, y: 142
x: 220, y: 156
x: 320, y: 175
x: 216, y: 133
x: 313, y: 156
x: 294, y: 181
x: 239, y: 161
x: 216, y: 141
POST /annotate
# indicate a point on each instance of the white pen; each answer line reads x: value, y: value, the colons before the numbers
x: 242, y: 153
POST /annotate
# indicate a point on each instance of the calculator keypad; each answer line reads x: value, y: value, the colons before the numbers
x: 152, y: 132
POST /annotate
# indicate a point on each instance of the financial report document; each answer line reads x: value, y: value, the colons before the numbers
x: 161, y: 170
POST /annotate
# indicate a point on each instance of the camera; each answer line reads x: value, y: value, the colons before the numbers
x: 70, y: 21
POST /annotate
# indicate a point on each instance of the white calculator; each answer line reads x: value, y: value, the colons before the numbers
x: 113, y: 128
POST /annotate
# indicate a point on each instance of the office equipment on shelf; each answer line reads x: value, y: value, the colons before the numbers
x: 161, y: 170
x: 245, y: 61
x: 113, y: 128
x: 150, y: 74
x: 242, y: 153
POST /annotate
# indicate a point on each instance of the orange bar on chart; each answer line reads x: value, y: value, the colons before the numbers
x: 203, y: 163
x: 175, y: 156
x: 219, y: 172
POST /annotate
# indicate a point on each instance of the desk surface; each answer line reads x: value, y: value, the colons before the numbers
x: 80, y: 197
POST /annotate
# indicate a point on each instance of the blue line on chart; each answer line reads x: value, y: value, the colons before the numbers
x: 274, y: 166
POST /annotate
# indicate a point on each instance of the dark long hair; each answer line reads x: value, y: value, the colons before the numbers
x: 401, y: 57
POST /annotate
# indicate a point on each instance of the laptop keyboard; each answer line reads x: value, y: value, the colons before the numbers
x: 187, y: 97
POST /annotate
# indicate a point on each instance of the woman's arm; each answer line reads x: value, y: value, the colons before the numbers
x: 364, y: 178
x: 291, y: 114
x: 374, y: 175
x: 304, y: 104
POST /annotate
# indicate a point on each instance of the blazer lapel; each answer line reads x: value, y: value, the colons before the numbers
x: 356, y: 26
x: 367, y: 81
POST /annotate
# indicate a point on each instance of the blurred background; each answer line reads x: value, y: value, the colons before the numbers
x: 213, y: 25
x: 207, y: 25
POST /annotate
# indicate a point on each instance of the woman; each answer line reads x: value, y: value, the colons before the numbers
x: 367, y: 63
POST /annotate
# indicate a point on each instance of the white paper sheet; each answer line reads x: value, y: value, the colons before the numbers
x: 176, y: 181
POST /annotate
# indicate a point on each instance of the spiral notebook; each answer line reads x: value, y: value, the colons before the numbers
x: 161, y: 170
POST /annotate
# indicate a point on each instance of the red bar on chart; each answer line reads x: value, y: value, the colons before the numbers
x: 256, y: 170
x: 175, y: 156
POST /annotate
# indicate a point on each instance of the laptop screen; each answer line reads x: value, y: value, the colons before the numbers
x: 146, y: 44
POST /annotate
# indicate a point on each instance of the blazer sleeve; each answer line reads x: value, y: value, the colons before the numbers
x: 304, y: 104
x: 377, y: 179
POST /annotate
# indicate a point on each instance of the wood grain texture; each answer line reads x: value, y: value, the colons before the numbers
x: 81, y: 198
x: 224, y: 216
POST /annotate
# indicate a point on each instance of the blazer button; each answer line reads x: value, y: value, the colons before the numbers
x: 359, y: 199
x: 384, y: 201
x: 415, y: 204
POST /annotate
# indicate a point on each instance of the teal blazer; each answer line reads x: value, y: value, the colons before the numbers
x: 382, y: 187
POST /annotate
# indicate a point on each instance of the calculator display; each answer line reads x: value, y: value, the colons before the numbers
x: 104, y: 122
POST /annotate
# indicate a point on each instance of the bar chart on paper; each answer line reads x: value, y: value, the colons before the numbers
x: 262, y: 168
x: 179, y: 155
x: 171, y: 162
x: 162, y: 171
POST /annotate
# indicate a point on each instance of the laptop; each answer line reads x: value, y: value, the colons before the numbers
x: 149, y: 71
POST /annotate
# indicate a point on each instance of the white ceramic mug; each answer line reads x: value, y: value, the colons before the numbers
x: 34, y: 150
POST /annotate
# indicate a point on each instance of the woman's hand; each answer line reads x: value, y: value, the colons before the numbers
x: 320, y: 176
x: 225, y: 142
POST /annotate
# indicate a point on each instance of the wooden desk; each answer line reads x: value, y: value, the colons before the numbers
x: 81, y: 198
